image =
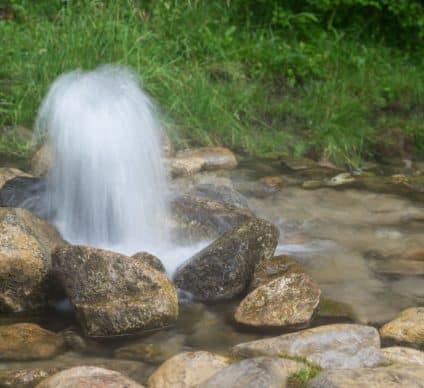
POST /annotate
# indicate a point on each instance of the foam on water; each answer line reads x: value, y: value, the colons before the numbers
x: 108, y: 186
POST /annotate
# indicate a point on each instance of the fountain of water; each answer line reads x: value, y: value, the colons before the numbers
x: 108, y: 186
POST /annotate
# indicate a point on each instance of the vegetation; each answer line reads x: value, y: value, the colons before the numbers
x: 324, y: 78
x: 300, y: 379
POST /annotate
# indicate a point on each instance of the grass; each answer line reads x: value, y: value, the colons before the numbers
x: 301, y: 378
x: 217, y: 80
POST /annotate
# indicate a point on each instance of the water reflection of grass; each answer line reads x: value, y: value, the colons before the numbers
x: 253, y: 88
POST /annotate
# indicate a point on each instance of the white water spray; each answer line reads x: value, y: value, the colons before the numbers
x: 107, y: 187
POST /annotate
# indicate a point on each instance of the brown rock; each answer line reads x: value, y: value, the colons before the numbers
x: 406, y: 328
x: 151, y: 260
x: 402, y: 355
x: 88, y: 377
x: 42, y: 160
x: 28, y: 341
x: 187, y: 370
x: 26, y: 242
x: 7, y: 173
x: 112, y: 293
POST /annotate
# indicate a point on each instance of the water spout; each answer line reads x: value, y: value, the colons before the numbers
x: 107, y: 187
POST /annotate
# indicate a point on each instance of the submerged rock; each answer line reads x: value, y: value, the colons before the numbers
x: 26, y: 242
x: 224, y: 269
x: 112, y: 293
x: 189, y: 162
x: 288, y: 301
x: 255, y: 372
x: 201, y: 218
x: 151, y: 260
x: 220, y: 193
x: 403, y: 355
x: 338, y: 346
x: 411, y: 376
x: 406, y: 328
x: 28, y: 341
x: 156, y: 348
x: 187, y: 370
x: 88, y: 377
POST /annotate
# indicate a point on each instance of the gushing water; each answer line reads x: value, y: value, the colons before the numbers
x: 107, y: 187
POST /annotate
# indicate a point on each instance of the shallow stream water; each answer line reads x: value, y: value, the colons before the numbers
x: 350, y: 241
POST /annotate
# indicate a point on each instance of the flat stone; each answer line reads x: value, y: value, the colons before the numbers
x: 88, y: 377
x: 187, y: 370
x: 28, y: 341
x: 394, y: 376
x: 338, y: 346
x: 406, y: 328
x: 255, y: 372
x: 403, y: 355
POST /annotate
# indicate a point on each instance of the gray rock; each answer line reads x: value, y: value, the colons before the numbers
x: 338, y: 346
x: 255, y: 372
x: 224, y: 269
x: 112, y: 293
x: 200, y: 218
x: 411, y: 376
x: 220, y: 193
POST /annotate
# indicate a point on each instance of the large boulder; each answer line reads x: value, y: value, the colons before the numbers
x: 224, y: 269
x: 406, y: 328
x: 26, y: 242
x: 255, y: 372
x: 220, y: 193
x: 28, y: 341
x: 200, y: 218
x: 112, y: 293
x: 189, y: 162
x: 411, y: 376
x: 338, y: 346
x: 187, y: 370
x: 288, y: 301
x: 88, y: 377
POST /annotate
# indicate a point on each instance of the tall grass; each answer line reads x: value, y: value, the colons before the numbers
x: 220, y: 81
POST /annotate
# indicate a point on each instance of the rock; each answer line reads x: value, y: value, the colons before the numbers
x: 189, y: 162
x: 88, y: 377
x: 30, y: 373
x: 112, y: 293
x: 338, y: 346
x: 340, y: 179
x: 25, y: 192
x: 255, y: 372
x: 334, y: 309
x: 402, y: 355
x: 28, y: 341
x: 407, y: 263
x: 167, y: 146
x: 273, y: 268
x: 407, y: 328
x: 7, y: 173
x: 42, y: 160
x: 307, y: 168
x: 312, y: 184
x: 200, y: 218
x: 187, y: 370
x: 151, y: 260
x: 224, y: 269
x: 25, y: 245
x: 288, y: 301
x: 264, y: 187
x: 411, y: 376
x: 156, y: 348
x: 220, y: 193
